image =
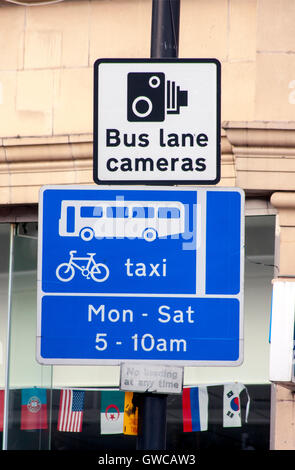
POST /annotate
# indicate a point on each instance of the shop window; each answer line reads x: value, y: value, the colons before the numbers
x: 4, y: 266
x: 26, y: 374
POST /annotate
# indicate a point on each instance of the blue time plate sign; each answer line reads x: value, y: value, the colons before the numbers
x: 141, y: 274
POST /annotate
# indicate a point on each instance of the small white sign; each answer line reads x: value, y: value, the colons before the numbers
x: 151, y: 378
x: 156, y: 120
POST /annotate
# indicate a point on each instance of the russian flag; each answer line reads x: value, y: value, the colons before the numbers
x: 195, y: 409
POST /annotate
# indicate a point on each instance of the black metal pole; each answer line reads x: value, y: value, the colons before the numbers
x: 152, y: 408
x: 151, y: 421
x: 165, y: 28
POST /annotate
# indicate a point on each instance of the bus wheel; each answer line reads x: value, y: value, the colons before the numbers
x: 149, y: 234
x: 86, y: 234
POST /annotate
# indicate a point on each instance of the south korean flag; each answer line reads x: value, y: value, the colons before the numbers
x: 232, y: 405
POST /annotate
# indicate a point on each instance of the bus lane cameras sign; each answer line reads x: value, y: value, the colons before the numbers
x: 135, y: 274
x: 157, y: 121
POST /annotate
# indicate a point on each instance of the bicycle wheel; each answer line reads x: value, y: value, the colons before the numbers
x: 65, y: 272
x: 100, y: 272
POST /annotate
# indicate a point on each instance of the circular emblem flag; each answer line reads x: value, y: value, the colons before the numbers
x: 232, y: 405
x: 112, y: 412
x: 34, y: 405
x: 33, y: 408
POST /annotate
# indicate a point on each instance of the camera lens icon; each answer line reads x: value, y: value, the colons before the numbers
x: 154, y: 81
x: 149, y: 97
x: 142, y: 106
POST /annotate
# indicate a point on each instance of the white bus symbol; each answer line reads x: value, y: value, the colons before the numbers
x: 119, y: 219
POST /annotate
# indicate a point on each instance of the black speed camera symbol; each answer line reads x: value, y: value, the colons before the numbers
x: 149, y: 97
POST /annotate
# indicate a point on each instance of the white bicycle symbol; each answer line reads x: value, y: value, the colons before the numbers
x: 99, y: 272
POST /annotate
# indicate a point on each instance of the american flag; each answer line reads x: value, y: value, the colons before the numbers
x: 71, y: 406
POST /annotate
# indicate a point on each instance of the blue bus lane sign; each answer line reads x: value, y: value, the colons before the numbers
x: 140, y: 274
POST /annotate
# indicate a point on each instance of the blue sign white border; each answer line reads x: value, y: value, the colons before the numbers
x: 118, y: 362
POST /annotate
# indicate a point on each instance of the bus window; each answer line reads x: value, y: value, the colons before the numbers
x: 168, y: 213
x: 117, y: 212
x: 70, y: 219
x: 91, y: 211
x: 143, y: 212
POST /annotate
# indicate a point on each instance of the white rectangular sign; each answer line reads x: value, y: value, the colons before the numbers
x: 282, y: 331
x: 157, y: 120
x: 151, y: 378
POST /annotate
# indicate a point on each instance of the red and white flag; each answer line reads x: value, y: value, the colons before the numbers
x: 71, y: 406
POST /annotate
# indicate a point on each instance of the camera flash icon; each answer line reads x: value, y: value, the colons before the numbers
x: 149, y: 97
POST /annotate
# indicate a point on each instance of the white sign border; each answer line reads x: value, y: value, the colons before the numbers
x: 98, y: 180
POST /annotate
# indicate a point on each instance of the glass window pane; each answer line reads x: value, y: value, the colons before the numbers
x: 31, y: 387
x: 4, y: 266
x: 29, y: 382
